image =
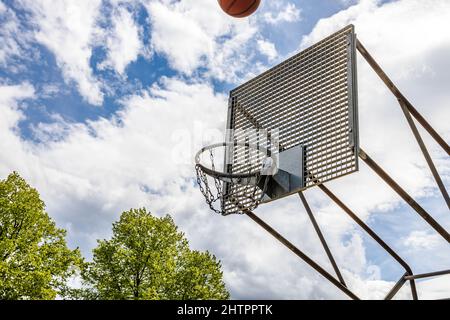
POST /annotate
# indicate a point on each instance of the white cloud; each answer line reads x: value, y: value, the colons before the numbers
x: 14, y: 40
x: 191, y: 39
x: 391, y: 37
x: 71, y: 30
x: 268, y: 49
x: 68, y: 28
x: 54, y: 131
x: 422, y: 240
x: 9, y: 97
x: 348, y: 2
x: 93, y: 171
x: 9, y: 28
x: 434, y: 288
x: 123, y: 42
x: 50, y: 90
x: 288, y: 12
x: 15, y: 151
x: 180, y: 37
x: 122, y: 157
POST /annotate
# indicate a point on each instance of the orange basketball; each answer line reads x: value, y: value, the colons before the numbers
x: 239, y: 8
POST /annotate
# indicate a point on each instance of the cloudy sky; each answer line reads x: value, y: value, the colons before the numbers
x: 104, y: 103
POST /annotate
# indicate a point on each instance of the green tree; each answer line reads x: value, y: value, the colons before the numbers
x: 148, y: 258
x: 35, y: 262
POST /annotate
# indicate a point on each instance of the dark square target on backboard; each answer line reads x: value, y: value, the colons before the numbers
x: 311, y: 100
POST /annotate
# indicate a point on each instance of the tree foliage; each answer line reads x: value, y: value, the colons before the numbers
x: 35, y: 261
x: 148, y: 258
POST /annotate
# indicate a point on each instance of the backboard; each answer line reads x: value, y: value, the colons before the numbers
x: 310, y: 101
x: 296, y: 126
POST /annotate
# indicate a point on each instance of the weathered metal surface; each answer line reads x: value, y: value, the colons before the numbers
x: 373, y: 235
x: 310, y: 100
x: 301, y: 254
x: 391, y: 86
x: 321, y: 238
x: 404, y: 195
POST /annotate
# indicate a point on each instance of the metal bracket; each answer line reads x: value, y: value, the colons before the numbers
x: 290, y: 176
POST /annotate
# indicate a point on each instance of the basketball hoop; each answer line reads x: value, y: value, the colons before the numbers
x: 239, y: 187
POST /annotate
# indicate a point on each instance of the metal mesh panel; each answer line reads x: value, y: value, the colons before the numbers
x: 236, y: 196
x: 311, y: 100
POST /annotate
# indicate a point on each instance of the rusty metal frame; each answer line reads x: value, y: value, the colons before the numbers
x: 375, y: 237
x: 404, y: 195
x: 409, y: 112
x: 301, y: 254
x: 310, y: 99
x: 340, y: 282
x: 344, y: 45
x: 372, y: 234
x: 322, y: 238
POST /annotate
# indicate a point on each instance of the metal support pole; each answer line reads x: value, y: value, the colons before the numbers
x: 405, y: 196
x: 396, y: 288
x: 372, y: 234
x: 425, y: 153
x: 300, y: 254
x: 321, y: 237
x: 383, y: 76
x: 427, y: 275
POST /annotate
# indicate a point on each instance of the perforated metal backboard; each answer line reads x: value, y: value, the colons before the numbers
x: 311, y: 101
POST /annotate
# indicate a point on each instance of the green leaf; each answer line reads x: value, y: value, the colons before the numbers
x: 148, y: 258
x: 35, y: 261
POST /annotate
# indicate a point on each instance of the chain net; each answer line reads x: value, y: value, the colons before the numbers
x: 219, y: 192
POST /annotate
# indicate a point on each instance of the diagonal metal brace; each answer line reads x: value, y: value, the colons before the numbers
x: 393, y: 88
x: 428, y: 275
x: 404, y: 195
x: 397, y: 287
x: 373, y: 235
x: 300, y: 254
x: 425, y: 152
x: 321, y: 237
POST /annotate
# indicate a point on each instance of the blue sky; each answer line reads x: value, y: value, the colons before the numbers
x: 96, y: 97
x: 141, y: 73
